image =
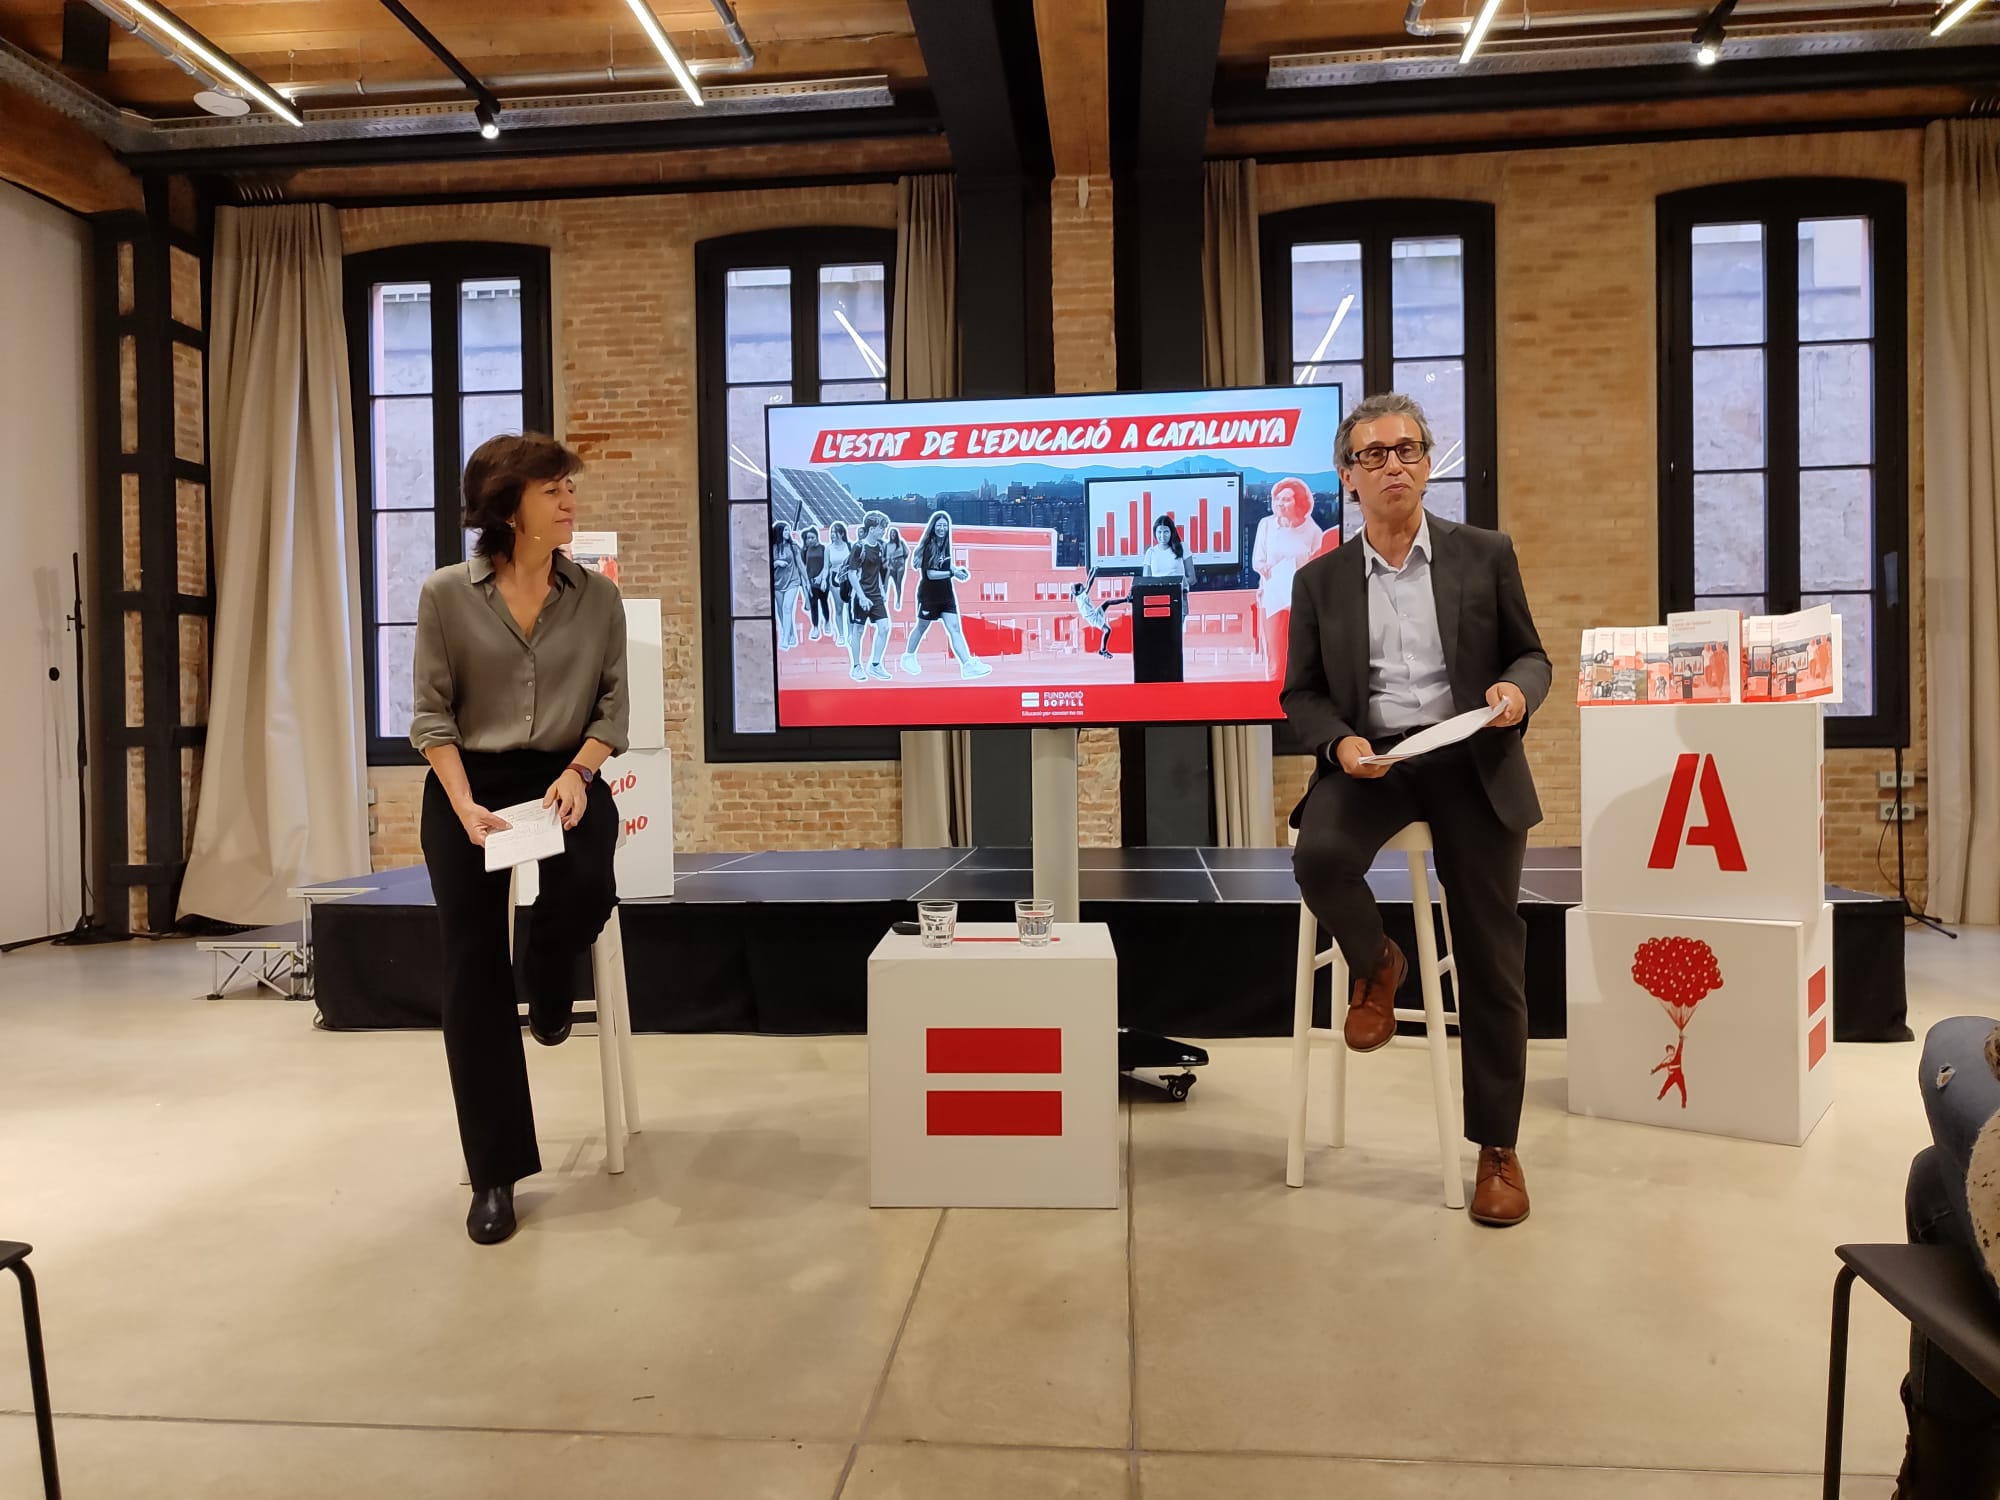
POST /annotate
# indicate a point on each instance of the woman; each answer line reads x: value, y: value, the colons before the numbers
x: 1287, y: 539
x: 812, y: 556
x: 787, y: 584
x: 937, y: 600
x: 1167, y: 558
x: 896, y: 559
x: 833, y: 581
x: 519, y: 697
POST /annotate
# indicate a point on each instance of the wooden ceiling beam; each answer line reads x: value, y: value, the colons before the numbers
x: 629, y: 172
x: 1076, y: 85
x: 48, y: 153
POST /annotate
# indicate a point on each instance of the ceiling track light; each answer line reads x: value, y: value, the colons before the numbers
x: 1951, y: 15
x: 188, y: 45
x: 1708, y: 36
x: 1488, y: 9
x: 485, y: 108
x: 670, y: 54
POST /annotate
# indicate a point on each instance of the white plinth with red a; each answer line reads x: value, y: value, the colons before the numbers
x: 1700, y: 963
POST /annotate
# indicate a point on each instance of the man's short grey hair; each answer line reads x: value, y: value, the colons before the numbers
x: 1386, y: 404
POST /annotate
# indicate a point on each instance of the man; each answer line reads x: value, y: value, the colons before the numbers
x: 1424, y: 620
x: 868, y: 572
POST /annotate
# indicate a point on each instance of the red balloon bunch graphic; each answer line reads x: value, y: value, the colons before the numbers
x: 1680, y: 973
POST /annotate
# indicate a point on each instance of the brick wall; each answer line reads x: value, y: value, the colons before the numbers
x: 622, y: 278
x: 1576, y: 312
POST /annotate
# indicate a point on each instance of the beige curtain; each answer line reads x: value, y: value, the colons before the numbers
x: 923, y: 364
x: 284, y: 781
x: 1962, y: 514
x: 1232, y: 353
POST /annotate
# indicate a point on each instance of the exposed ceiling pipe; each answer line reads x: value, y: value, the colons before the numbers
x: 746, y: 56
x: 529, y: 83
x: 647, y: 74
x: 1625, y: 20
x: 191, y: 52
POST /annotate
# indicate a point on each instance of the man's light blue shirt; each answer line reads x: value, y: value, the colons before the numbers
x: 1408, y: 687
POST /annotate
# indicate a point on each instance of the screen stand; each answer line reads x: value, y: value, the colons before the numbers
x: 1052, y: 757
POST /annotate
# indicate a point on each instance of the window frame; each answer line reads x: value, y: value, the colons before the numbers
x: 1377, y: 223
x: 1779, y: 205
x: 802, y: 251
x: 435, y: 263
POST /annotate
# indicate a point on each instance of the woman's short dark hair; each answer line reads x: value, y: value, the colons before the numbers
x: 498, y: 471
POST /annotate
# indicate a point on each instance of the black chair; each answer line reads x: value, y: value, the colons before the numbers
x: 1944, y: 1293
x: 14, y: 1257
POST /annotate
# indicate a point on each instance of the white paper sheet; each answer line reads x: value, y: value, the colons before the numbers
x: 533, y: 832
x: 1450, y: 732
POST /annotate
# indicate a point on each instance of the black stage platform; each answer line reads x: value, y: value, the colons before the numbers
x: 779, y: 941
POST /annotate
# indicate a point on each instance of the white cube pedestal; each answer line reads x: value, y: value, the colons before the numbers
x: 993, y: 1071
x: 1707, y: 810
x: 1749, y: 1058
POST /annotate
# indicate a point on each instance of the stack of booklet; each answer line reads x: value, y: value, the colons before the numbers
x: 1715, y: 656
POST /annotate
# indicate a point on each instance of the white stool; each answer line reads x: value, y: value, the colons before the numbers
x: 1415, y: 841
x: 614, y: 1017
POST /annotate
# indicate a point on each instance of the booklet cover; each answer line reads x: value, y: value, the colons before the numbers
x: 1704, y: 655
x: 1627, y: 670
x: 1656, y: 684
x: 1793, y: 658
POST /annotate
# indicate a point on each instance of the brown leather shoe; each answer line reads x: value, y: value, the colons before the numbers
x: 1371, y: 1007
x: 1500, y: 1198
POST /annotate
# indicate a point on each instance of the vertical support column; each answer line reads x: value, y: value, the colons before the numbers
x: 154, y: 599
x: 1054, y: 758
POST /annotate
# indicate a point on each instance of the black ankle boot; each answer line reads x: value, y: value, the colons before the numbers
x: 491, y: 1219
x: 556, y: 983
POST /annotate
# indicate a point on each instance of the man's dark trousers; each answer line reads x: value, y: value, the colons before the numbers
x: 1342, y: 826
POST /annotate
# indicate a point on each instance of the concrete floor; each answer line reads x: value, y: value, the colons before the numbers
x: 256, y: 1281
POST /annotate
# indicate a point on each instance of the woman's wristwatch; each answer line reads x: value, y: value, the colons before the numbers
x: 584, y: 773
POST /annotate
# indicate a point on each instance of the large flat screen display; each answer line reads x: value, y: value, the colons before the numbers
x: 1042, y: 561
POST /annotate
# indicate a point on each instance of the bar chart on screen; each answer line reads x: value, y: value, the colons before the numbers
x: 1205, y: 510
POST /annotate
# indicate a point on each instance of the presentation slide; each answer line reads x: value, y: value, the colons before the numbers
x: 1043, y: 561
x: 1203, y: 508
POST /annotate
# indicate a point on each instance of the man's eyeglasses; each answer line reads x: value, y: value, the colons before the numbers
x: 1408, y: 454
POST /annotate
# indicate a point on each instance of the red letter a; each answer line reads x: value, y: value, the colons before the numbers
x: 1719, y: 833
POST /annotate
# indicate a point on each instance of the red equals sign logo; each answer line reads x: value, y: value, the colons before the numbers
x: 988, y: 1050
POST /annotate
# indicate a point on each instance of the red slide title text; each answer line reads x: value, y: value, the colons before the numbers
x: 1222, y: 430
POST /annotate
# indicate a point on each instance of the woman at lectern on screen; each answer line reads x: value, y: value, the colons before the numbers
x: 937, y: 599
x: 1167, y: 558
x: 519, y: 699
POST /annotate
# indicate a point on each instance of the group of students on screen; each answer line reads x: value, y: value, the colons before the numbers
x: 851, y: 584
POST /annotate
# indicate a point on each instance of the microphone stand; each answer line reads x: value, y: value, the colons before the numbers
x: 88, y: 929
x: 1911, y: 912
